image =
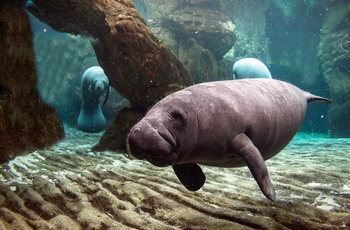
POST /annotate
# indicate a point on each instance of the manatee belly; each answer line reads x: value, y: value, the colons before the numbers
x: 91, y: 119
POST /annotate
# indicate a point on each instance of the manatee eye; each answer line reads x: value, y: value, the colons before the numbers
x: 179, y: 117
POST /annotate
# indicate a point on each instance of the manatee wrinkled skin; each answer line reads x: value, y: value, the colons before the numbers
x: 94, y: 84
x: 250, y: 68
x: 225, y: 124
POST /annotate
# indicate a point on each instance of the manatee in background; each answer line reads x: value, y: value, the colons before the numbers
x: 250, y: 68
x: 94, y: 84
x: 225, y: 124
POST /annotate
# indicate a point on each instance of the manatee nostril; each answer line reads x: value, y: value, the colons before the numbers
x: 134, y: 143
x: 134, y: 134
x: 135, y: 131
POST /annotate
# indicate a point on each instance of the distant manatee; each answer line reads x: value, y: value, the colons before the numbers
x: 250, y: 68
x: 94, y: 84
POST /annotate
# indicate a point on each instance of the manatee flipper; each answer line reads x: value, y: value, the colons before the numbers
x: 190, y: 175
x: 107, y: 95
x: 244, y: 148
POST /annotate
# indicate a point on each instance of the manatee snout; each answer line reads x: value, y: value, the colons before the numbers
x: 99, y: 87
x: 152, y: 143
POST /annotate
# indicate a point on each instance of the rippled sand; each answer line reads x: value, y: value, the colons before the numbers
x: 67, y: 186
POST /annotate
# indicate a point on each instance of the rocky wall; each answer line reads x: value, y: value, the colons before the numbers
x: 199, y: 33
x: 249, y: 19
x: 334, y: 56
x: 26, y: 123
x: 293, y: 29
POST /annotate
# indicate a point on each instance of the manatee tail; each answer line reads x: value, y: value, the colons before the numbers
x: 310, y: 98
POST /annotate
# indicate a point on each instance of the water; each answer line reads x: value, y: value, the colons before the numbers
x: 69, y: 186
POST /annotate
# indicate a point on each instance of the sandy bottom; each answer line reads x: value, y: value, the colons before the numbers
x: 67, y: 186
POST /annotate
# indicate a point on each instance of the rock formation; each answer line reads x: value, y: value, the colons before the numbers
x: 334, y: 56
x: 25, y: 122
x: 250, y: 24
x: 198, y: 32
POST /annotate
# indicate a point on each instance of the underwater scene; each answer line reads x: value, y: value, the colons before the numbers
x: 177, y: 114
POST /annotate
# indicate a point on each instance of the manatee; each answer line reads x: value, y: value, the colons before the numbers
x: 94, y: 83
x: 224, y: 124
x: 250, y: 68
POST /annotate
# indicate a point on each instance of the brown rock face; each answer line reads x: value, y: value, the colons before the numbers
x: 25, y: 122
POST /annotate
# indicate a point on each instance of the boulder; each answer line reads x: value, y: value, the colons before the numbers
x: 211, y: 28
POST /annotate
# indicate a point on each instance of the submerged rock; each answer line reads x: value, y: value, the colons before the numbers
x: 211, y: 28
x: 199, y: 33
x: 200, y: 61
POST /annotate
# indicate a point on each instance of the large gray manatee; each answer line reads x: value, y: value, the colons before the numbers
x: 250, y: 68
x: 225, y: 124
x: 94, y: 83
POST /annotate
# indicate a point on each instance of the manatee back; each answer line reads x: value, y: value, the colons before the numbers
x: 269, y: 111
x: 250, y: 68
